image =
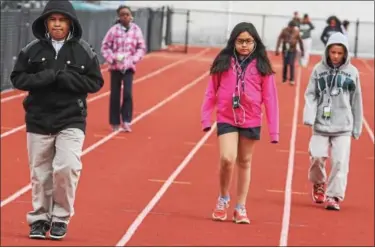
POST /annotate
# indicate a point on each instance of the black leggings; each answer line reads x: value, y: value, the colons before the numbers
x: 126, y: 113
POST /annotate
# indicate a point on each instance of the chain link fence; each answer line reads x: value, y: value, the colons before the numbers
x: 173, y: 27
x: 212, y: 28
x: 177, y: 34
x: 16, y: 32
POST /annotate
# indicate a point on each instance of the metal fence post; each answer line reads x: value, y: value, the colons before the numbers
x: 187, y: 31
x: 356, y: 39
x: 263, y: 25
x: 149, y: 28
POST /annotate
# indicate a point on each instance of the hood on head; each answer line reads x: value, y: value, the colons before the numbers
x: 337, y: 38
x: 64, y: 7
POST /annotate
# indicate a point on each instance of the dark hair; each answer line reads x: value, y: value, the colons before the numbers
x: 345, y: 23
x: 292, y: 24
x: 305, y: 15
x: 223, y: 59
x: 338, y: 44
x: 329, y: 19
x: 123, y: 7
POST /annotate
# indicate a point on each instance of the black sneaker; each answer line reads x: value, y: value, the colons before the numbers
x: 38, y: 229
x: 58, y: 230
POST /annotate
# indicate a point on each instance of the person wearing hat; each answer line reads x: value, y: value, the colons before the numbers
x: 58, y: 70
x: 289, y: 37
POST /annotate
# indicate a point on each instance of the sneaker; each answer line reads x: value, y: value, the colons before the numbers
x: 115, y: 128
x: 291, y: 82
x: 332, y: 203
x: 126, y: 127
x: 38, y: 229
x: 240, y: 216
x: 220, y: 212
x: 318, y: 193
x: 58, y: 230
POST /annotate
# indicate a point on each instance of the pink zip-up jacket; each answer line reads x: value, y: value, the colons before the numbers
x: 131, y: 44
x: 258, y: 90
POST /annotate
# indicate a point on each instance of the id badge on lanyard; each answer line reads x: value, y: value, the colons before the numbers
x: 287, y: 46
x: 236, y: 96
x: 327, y: 111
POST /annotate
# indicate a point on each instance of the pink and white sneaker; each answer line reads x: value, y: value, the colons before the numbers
x: 240, y: 216
x: 126, y: 127
x: 332, y: 203
x: 220, y: 211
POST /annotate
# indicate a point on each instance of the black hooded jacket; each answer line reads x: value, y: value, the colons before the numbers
x: 58, y: 84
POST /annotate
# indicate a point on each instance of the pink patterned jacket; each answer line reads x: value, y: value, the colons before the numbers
x: 130, y: 44
x: 258, y: 90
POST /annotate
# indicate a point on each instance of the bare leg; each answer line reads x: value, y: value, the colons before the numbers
x: 245, y: 154
x: 228, y: 153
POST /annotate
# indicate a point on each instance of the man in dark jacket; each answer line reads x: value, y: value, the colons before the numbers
x: 58, y: 69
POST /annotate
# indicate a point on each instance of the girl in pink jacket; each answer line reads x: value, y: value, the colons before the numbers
x: 241, y: 80
x: 123, y: 47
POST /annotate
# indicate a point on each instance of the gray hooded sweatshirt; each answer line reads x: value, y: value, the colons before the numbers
x: 338, y: 88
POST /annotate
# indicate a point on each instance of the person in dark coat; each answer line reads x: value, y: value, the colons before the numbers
x: 333, y: 26
x: 58, y: 70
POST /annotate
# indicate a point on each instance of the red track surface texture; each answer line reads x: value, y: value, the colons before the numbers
x: 119, y: 201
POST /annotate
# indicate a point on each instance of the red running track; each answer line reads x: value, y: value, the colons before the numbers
x: 12, y: 160
x: 121, y: 176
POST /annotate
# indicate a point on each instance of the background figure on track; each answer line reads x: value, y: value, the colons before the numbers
x: 58, y: 69
x: 289, y: 37
x: 345, y: 27
x: 334, y: 26
x: 333, y: 107
x: 296, y: 19
x: 123, y: 47
x: 241, y: 80
x: 305, y: 31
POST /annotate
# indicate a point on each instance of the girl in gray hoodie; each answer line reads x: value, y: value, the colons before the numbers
x: 333, y: 107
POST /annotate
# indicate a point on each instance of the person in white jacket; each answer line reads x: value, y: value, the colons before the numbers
x: 305, y: 28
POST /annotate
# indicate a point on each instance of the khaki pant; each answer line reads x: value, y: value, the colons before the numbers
x: 307, y: 44
x: 340, y: 156
x: 55, y: 166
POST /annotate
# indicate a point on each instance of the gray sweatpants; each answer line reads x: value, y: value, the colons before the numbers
x: 55, y: 166
x: 340, y: 155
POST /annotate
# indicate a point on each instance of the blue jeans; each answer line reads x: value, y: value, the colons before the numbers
x: 289, y: 58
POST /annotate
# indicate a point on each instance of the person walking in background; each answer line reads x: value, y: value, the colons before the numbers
x: 58, y: 69
x: 123, y: 47
x: 334, y: 110
x: 345, y: 27
x: 305, y: 31
x: 334, y: 26
x: 296, y: 19
x: 289, y: 37
x: 241, y: 80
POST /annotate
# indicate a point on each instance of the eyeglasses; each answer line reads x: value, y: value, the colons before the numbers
x: 247, y: 41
